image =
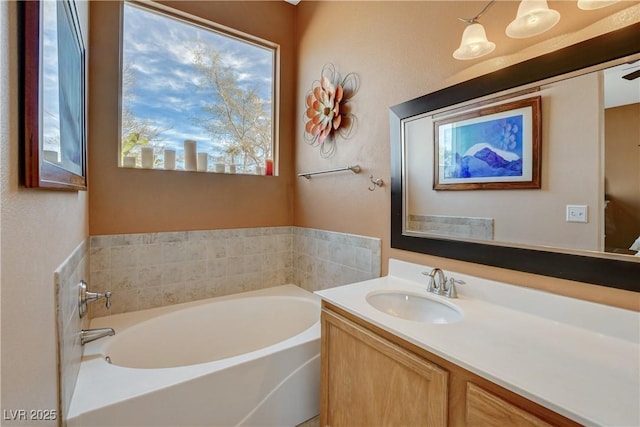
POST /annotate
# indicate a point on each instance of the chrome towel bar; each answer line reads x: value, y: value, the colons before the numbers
x: 354, y: 169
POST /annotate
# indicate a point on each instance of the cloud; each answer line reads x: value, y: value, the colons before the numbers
x: 166, y: 91
x: 187, y: 75
x: 181, y: 48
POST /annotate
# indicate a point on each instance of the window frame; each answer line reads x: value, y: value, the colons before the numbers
x: 224, y: 30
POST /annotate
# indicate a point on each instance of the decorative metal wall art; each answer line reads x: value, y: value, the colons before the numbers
x: 328, y: 113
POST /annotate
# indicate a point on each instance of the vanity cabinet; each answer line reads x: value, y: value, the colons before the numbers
x: 372, y: 377
x: 486, y: 409
x: 368, y: 381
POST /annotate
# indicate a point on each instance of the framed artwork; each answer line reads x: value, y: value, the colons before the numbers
x: 54, y: 109
x: 496, y: 147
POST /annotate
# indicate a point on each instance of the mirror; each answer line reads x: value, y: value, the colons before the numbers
x: 495, y: 223
x: 53, y: 92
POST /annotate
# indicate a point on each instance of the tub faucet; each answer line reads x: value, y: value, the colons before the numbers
x: 88, y: 335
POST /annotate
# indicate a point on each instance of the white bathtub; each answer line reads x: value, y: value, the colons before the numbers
x: 244, y: 359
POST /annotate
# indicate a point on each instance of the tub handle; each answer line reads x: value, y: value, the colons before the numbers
x: 85, y: 297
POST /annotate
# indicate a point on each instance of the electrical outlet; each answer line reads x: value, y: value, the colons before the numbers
x: 577, y: 213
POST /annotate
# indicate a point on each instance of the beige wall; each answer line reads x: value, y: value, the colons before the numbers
x: 400, y: 50
x: 622, y: 157
x: 138, y: 201
x: 39, y: 230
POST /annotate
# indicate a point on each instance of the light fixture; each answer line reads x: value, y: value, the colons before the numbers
x: 474, y: 43
x: 534, y: 17
x: 595, y: 4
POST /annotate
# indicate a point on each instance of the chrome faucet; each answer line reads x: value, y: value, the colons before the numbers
x: 88, y: 335
x: 442, y: 286
x: 85, y: 297
x: 436, y: 286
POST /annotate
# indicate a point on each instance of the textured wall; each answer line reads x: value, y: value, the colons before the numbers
x: 125, y: 200
x: 402, y: 50
x: 39, y: 230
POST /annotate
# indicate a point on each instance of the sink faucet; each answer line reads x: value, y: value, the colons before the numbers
x: 441, y: 286
x: 88, y: 335
x: 436, y: 286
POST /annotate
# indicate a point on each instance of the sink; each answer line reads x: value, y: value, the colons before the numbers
x: 411, y: 306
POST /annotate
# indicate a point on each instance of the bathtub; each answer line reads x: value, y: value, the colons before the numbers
x: 246, y: 359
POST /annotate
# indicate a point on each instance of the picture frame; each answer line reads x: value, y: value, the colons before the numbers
x: 491, y: 148
x: 54, y: 98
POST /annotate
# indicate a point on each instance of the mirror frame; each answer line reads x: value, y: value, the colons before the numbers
x: 40, y: 172
x: 582, y: 267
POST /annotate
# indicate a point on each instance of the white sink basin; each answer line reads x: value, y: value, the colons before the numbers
x: 410, y: 306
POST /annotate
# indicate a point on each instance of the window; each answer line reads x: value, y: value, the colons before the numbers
x: 195, y: 97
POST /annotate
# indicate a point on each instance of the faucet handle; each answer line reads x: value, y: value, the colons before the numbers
x: 107, y: 296
x: 85, y: 296
x: 450, y: 291
x: 431, y: 286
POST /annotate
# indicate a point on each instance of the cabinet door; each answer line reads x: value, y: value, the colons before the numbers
x: 369, y: 381
x: 488, y: 410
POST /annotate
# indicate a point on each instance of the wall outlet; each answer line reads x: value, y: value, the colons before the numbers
x: 577, y: 213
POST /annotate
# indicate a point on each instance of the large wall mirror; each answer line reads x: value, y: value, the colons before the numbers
x: 569, y: 122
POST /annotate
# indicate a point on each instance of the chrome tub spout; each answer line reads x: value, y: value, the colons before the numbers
x: 88, y: 335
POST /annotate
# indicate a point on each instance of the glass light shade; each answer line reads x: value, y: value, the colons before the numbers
x: 534, y: 17
x: 474, y: 43
x: 595, y: 4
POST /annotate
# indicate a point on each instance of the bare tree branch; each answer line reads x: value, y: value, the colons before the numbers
x: 236, y: 115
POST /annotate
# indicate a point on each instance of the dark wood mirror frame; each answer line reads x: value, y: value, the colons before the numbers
x: 40, y: 172
x: 606, y: 271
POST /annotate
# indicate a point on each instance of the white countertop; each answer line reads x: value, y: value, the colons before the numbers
x: 577, y: 358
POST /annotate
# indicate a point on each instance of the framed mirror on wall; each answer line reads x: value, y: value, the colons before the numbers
x: 557, y: 227
x: 53, y: 88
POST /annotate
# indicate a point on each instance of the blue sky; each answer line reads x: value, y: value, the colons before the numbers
x: 50, y: 117
x: 160, y: 51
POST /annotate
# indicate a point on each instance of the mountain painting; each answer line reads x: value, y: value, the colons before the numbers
x: 497, y: 147
x: 486, y: 149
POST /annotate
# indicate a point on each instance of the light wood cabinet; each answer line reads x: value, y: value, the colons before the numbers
x: 371, y: 377
x: 370, y: 381
x: 487, y: 409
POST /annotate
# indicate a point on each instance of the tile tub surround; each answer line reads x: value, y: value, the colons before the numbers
x: 325, y: 259
x: 475, y: 228
x: 66, y: 279
x: 157, y: 269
